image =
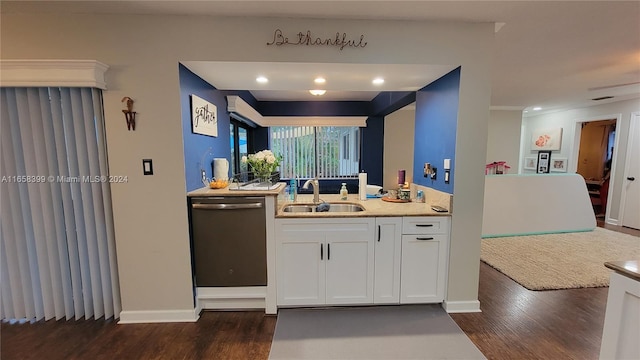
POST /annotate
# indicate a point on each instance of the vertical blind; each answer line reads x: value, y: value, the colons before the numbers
x: 57, y: 243
x: 327, y: 152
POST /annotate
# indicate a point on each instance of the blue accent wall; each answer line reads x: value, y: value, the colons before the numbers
x: 372, y: 149
x: 435, y: 129
x: 195, y: 145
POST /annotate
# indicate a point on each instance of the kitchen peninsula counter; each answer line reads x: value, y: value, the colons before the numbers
x: 621, y: 327
x: 228, y: 191
x: 373, y: 208
x: 630, y: 268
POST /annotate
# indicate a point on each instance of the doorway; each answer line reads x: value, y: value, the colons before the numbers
x: 595, y: 155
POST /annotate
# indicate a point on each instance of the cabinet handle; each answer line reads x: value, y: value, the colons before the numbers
x: 379, y: 226
x: 631, y: 178
x: 424, y: 225
x: 321, y: 251
x: 424, y: 238
x: 328, y: 251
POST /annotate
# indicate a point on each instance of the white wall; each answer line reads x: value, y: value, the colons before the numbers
x: 503, y: 140
x: 569, y: 120
x: 143, y: 52
x: 398, y: 146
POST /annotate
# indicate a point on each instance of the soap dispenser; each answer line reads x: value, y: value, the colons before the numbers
x: 343, y: 192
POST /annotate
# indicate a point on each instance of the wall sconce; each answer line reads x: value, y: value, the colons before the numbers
x: 129, y: 114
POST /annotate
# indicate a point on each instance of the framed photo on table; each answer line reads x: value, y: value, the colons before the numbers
x: 544, y: 161
x: 558, y: 164
x: 530, y: 163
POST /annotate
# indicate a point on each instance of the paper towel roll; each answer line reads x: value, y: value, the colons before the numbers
x: 362, y: 185
x: 221, y: 169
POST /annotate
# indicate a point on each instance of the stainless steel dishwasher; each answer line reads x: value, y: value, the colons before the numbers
x: 229, y: 241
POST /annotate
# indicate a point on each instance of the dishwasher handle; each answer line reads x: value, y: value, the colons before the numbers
x: 256, y: 205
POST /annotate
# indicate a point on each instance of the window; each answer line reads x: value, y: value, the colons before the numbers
x: 327, y: 152
x: 240, y: 146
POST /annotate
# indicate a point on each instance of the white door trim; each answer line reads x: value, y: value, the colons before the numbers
x: 634, y: 121
x: 614, y: 156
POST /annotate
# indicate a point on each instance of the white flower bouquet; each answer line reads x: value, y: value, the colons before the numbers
x: 263, y: 163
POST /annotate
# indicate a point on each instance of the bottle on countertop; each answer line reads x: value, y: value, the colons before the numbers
x: 293, y: 191
x: 343, y: 192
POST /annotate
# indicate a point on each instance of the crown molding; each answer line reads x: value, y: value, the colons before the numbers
x: 44, y: 73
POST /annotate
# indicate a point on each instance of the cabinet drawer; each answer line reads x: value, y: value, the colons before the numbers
x: 425, y: 225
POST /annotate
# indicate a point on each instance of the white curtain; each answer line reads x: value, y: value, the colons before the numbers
x: 57, y: 249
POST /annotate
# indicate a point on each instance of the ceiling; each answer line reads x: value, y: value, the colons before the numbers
x: 552, y: 54
x: 291, y: 81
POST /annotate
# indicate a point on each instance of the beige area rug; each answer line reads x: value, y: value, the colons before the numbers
x: 559, y: 261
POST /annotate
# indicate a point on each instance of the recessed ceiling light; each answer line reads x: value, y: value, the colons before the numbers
x: 317, y: 92
x: 378, y: 81
x: 262, y: 80
x: 319, y: 80
x: 536, y: 108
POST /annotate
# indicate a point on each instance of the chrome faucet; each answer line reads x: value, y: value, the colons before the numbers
x: 316, y: 189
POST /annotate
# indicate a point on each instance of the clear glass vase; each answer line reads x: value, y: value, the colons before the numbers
x: 264, y: 178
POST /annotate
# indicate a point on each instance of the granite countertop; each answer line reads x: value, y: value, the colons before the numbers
x: 629, y: 268
x: 229, y: 191
x: 373, y: 208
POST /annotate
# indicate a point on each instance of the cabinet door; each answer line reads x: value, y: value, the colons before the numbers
x: 387, y: 244
x: 300, y: 268
x: 349, y: 262
x: 423, y: 268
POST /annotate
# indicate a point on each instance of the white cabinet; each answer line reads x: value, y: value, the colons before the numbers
x: 324, y: 261
x: 425, y: 246
x: 388, y: 238
x: 366, y: 260
x: 300, y: 270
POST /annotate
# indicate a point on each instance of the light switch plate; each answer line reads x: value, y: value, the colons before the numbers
x: 147, y: 167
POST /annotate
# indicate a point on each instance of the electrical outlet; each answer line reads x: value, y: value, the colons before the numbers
x: 434, y: 173
x: 204, y: 175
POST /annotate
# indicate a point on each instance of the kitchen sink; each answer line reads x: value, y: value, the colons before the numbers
x: 342, y: 207
x: 296, y: 208
x: 333, y: 207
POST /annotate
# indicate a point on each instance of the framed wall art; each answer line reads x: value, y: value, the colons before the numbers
x: 546, y: 139
x: 530, y: 163
x: 544, y: 160
x: 204, y: 117
x: 558, y: 164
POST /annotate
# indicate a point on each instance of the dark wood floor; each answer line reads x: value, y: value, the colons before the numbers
x: 515, y: 323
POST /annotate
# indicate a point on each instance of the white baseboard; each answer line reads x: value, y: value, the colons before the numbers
x: 225, y: 298
x: 612, y: 221
x: 158, y: 316
x: 461, y: 306
x: 231, y: 304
